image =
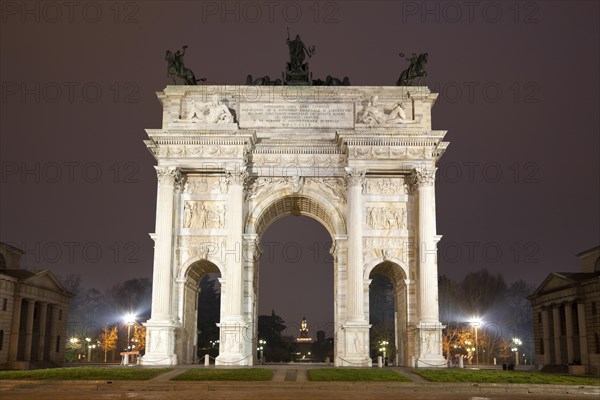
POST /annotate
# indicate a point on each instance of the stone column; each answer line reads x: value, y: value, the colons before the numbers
x: 556, y: 323
x: 569, y: 329
x: 29, y: 329
x: 355, y: 351
x: 339, y: 252
x: 162, y: 272
x: 13, y: 347
x: 583, y: 344
x: 161, y: 326
x: 53, y: 333
x: 234, y: 344
x: 42, y: 339
x: 251, y: 253
x: 355, y: 298
x: 430, y: 328
x: 546, y: 335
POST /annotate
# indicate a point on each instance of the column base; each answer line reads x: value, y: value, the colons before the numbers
x: 430, y: 346
x: 355, y: 346
x: 235, y: 345
x: 160, y: 343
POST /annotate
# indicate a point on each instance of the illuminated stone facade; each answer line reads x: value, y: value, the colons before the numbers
x: 234, y: 159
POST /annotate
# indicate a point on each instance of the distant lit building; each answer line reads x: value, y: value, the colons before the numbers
x: 33, y: 314
x: 303, y: 343
x: 566, y: 316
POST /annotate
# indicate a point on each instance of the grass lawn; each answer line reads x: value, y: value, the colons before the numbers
x: 484, y: 376
x: 242, y: 374
x: 355, y: 375
x: 86, y: 373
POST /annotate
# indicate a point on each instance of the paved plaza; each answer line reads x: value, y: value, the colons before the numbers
x: 289, y: 382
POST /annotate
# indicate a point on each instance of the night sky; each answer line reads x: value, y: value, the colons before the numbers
x: 517, y: 190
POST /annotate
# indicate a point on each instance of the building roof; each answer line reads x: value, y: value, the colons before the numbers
x: 20, y: 274
x: 43, y: 279
x: 556, y: 281
x: 11, y: 248
x: 583, y: 253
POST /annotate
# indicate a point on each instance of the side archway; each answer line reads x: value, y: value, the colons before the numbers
x: 396, y: 272
x: 188, y: 278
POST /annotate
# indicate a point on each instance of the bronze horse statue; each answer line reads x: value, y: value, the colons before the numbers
x: 416, y: 69
x: 176, y: 68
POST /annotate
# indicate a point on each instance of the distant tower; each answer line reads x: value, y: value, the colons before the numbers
x: 304, y: 328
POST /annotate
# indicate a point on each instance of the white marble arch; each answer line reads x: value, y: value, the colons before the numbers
x: 307, y: 155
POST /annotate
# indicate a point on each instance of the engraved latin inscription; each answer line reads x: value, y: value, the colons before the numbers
x: 296, y: 115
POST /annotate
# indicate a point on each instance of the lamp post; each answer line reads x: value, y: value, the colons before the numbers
x: 89, y: 348
x: 129, y: 320
x: 476, y: 322
x: 469, y: 351
x: 383, y: 349
x: 261, y: 347
x: 517, y: 342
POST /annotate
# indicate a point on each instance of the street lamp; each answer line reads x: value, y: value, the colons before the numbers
x: 517, y: 342
x: 469, y: 351
x: 475, y: 323
x: 262, y: 344
x: 129, y: 320
x: 89, y: 355
x: 383, y: 349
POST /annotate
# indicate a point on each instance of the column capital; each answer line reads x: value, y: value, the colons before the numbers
x: 167, y: 174
x: 180, y: 181
x: 420, y: 177
x: 355, y: 176
x: 237, y: 177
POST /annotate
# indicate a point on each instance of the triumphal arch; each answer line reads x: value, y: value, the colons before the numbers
x: 233, y: 159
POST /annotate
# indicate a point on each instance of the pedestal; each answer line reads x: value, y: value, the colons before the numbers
x: 234, y: 344
x: 356, y: 345
x: 160, y: 344
x: 430, y: 346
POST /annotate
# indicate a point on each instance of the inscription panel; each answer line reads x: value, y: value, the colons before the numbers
x: 296, y: 115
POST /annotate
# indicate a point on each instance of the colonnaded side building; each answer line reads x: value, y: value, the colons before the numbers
x: 33, y: 314
x: 234, y: 159
x: 566, y: 317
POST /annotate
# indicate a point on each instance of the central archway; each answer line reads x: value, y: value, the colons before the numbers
x: 295, y: 282
x: 313, y: 205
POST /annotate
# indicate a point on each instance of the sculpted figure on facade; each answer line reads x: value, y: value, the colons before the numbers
x: 221, y: 185
x: 296, y: 183
x: 386, y: 217
x: 372, y: 113
x: 335, y: 187
x: 375, y: 114
x: 214, y: 112
x: 203, y: 215
x: 218, y: 112
x: 384, y: 186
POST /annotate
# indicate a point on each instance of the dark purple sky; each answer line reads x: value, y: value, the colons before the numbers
x: 519, y: 98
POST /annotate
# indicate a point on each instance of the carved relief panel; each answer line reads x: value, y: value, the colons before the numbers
x: 204, y: 214
x: 386, y: 216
